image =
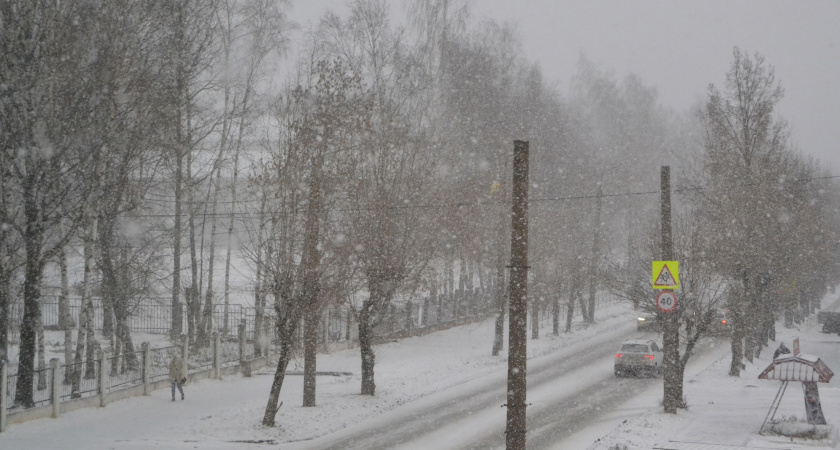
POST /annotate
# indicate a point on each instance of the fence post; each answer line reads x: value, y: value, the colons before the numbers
x: 147, y: 368
x: 103, y: 376
x: 217, y: 356
x: 56, y: 386
x: 4, y: 380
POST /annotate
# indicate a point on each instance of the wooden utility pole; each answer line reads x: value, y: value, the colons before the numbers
x: 670, y: 332
x: 518, y: 333
x: 593, y: 260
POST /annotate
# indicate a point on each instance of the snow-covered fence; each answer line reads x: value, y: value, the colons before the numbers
x: 117, y: 377
x: 41, y: 394
x: 546, y: 309
x: 79, y: 380
x: 229, y: 352
x: 109, y: 378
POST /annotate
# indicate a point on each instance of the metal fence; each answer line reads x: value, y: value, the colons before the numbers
x: 125, y: 370
x: 41, y: 388
x: 81, y: 385
x: 84, y: 379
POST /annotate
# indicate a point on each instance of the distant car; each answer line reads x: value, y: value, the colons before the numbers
x: 647, y: 322
x: 720, y: 325
x: 638, y: 357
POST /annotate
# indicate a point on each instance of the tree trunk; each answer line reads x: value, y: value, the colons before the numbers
x: 5, y: 284
x: 287, y: 333
x: 64, y: 317
x: 584, y: 313
x: 366, y: 348
x: 259, y: 302
x: 85, y: 334
x: 570, y: 311
x: 194, y: 298
x: 108, y: 317
x: 310, y: 344
x: 311, y: 289
x: 42, y: 363
x: 259, y: 293
x: 736, y: 342
x: 31, y: 313
x: 177, y: 318
x: 207, y: 317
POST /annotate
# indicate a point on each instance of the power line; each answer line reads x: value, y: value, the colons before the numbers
x: 478, y: 203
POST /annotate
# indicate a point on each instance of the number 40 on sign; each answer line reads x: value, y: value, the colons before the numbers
x: 666, y: 301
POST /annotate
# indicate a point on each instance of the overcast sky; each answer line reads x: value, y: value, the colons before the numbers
x: 680, y: 47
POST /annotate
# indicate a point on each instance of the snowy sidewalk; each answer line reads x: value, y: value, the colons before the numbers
x: 727, y: 412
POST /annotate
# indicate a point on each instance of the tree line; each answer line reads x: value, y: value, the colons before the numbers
x: 174, y: 145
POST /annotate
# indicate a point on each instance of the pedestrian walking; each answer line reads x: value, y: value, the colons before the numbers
x: 178, y: 375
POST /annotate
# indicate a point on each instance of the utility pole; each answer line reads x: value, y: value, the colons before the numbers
x: 518, y: 332
x: 670, y: 332
x: 593, y: 261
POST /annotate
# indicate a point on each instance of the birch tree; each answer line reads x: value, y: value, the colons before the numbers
x: 250, y: 33
x: 188, y: 32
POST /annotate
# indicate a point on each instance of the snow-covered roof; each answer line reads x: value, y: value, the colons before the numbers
x: 802, y: 367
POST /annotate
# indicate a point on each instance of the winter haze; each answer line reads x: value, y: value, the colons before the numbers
x: 425, y: 224
x: 679, y: 47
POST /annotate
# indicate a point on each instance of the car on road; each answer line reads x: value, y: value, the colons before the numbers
x: 647, y: 322
x: 638, y: 357
x: 719, y: 325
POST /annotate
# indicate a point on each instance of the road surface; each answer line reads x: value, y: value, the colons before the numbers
x: 567, y: 391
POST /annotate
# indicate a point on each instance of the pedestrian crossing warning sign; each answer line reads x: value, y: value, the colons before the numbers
x: 666, y: 275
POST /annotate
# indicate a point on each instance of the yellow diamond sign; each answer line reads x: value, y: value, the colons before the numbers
x: 665, y: 275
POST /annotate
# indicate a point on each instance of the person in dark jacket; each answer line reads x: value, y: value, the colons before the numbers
x: 782, y: 350
x: 178, y: 375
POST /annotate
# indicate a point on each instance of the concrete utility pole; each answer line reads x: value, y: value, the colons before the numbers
x: 518, y: 332
x: 670, y: 332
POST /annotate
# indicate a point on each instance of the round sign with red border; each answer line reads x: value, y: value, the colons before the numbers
x: 666, y: 301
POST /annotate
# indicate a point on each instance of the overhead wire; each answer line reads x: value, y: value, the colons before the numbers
x: 246, y: 214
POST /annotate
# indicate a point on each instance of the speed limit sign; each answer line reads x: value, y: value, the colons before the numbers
x: 666, y: 301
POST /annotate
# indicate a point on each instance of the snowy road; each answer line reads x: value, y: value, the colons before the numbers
x: 567, y: 391
x: 439, y: 391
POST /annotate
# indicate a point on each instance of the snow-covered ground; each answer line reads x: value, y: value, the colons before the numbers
x: 226, y: 414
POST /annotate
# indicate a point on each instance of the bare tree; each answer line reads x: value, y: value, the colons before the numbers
x: 188, y: 25
x: 250, y: 32
x: 743, y: 142
x: 327, y: 119
x: 49, y: 118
